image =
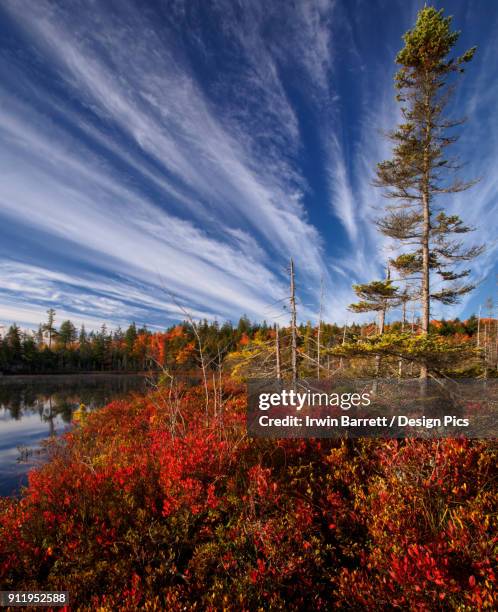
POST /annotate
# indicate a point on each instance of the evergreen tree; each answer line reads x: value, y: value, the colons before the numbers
x: 419, y: 172
x: 376, y: 296
x: 4, y: 354
x: 29, y: 350
x: 471, y: 325
x: 84, y: 349
x: 67, y: 333
x: 83, y: 337
x: 13, y: 343
x: 244, y: 325
x: 118, y: 335
x: 39, y: 336
x: 49, y: 326
x: 130, y: 337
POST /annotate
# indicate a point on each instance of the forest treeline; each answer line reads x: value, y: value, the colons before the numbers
x: 65, y: 349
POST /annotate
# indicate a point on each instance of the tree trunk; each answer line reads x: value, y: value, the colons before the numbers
x: 382, y: 321
x: 403, y: 323
x: 381, y: 325
x: 425, y: 267
x: 319, y: 332
x: 343, y: 343
x: 485, y: 349
x: 277, y: 351
x: 425, y: 279
x: 293, y: 324
x: 426, y: 228
x: 479, y: 328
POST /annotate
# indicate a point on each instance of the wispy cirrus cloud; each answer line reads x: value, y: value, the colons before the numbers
x: 72, y: 193
x: 191, y: 149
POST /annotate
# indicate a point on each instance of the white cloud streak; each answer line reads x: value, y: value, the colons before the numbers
x: 57, y: 186
x: 161, y: 182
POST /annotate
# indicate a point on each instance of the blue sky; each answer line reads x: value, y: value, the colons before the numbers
x: 189, y: 148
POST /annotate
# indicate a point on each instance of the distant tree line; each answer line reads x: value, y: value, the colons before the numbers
x: 66, y: 349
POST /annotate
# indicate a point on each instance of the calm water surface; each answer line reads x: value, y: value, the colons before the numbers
x: 34, y: 408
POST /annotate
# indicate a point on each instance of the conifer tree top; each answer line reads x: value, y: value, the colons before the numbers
x: 428, y: 44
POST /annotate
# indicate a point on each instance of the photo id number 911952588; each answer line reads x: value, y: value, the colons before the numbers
x: 34, y: 598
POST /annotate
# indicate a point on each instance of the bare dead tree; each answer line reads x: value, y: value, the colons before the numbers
x: 171, y: 394
x: 341, y: 361
x: 218, y: 385
x: 382, y: 319
x: 479, y: 327
x: 200, y: 350
x: 404, y: 300
x: 293, y: 323
x: 319, y: 332
x: 277, y: 351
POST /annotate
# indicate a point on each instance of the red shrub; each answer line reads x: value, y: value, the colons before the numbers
x: 131, y: 512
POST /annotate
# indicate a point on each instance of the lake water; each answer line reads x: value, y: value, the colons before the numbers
x: 34, y: 408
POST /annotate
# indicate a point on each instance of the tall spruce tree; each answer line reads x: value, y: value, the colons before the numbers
x: 49, y: 326
x: 419, y: 171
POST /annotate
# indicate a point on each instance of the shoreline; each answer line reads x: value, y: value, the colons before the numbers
x: 21, y: 378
